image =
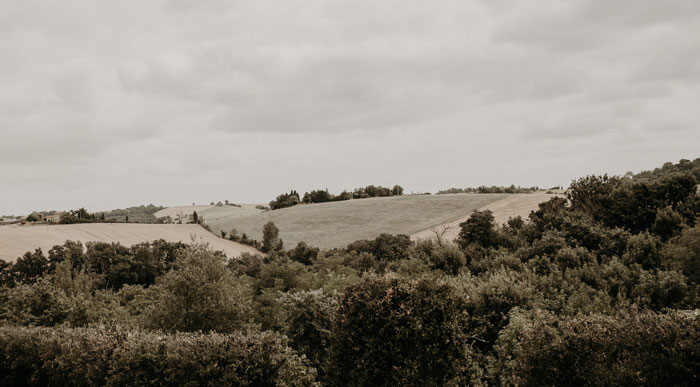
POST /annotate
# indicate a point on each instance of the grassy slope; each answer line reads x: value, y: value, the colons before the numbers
x: 336, y: 224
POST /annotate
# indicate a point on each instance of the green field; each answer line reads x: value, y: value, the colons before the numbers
x: 336, y: 224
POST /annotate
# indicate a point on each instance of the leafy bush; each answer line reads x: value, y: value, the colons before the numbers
x: 199, y: 294
x: 393, y: 332
x: 642, y: 349
x: 101, y: 357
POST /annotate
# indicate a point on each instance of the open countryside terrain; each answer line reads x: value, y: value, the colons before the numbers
x: 207, y: 212
x: 16, y: 240
x: 504, y: 209
x: 336, y: 224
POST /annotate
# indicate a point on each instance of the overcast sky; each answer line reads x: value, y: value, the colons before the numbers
x: 107, y: 104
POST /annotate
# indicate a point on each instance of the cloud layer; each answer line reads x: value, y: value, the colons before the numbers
x: 115, y: 103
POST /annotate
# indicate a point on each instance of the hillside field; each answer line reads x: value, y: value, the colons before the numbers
x: 335, y: 224
x: 207, y: 212
x: 509, y: 207
x: 16, y: 240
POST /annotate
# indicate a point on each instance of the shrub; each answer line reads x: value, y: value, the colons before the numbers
x: 385, y: 247
x: 392, y: 332
x: 200, y: 293
x: 478, y: 229
x: 309, y: 318
x: 99, y: 357
x: 303, y: 253
x: 643, y: 349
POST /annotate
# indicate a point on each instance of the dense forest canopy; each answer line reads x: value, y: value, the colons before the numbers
x: 601, y: 288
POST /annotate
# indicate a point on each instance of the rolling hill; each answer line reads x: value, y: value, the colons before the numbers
x: 335, y: 224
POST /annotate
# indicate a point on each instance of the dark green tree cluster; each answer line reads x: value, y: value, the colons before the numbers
x: 669, y: 168
x: 372, y: 191
x: 285, y: 200
x: 323, y: 196
x: 482, y: 189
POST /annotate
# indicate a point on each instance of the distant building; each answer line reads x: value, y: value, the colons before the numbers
x: 55, y: 218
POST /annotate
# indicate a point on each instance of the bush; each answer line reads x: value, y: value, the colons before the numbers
x: 392, y: 332
x: 199, y: 294
x: 99, y: 357
x: 309, y: 318
x: 643, y: 349
x: 385, y: 247
x: 478, y: 229
x: 303, y: 253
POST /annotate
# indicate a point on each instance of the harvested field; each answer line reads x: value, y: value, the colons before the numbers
x: 173, y: 212
x: 335, y: 224
x: 15, y: 240
x: 510, y: 206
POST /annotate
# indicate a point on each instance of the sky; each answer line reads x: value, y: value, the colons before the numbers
x: 108, y: 104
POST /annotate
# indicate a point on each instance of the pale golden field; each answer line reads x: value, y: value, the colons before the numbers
x: 510, y: 206
x: 15, y: 240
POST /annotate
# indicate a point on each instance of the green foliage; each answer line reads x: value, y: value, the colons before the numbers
x: 285, y: 200
x: 440, y: 256
x: 303, y: 253
x: 683, y: 253
x: 271, y: 238
x: 512, y: 189
x: 30, y: 267
x: 308, y: 322
x: 320, y: 196
x: 643, y: 249
x: 394, y: 332
x: 199, y: 294
x: 372, y: 191
x: 668, y: 223
x: 385, y: 247
x: 479, y: 229
x: 631, y: 349
x: 102, y: 357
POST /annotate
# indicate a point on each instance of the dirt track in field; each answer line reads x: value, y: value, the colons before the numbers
x: 15, y: 240
x: 509, y: 207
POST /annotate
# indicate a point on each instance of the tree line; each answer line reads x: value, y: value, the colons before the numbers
x: 322, y: 196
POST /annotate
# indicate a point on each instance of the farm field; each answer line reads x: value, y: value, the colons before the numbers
x: 208, y: 212
x: 510, y: 206
x: 15, y: 240
x: 335, y: 224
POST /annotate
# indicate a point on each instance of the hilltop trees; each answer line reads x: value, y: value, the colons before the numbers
x: 323, y: 196
x: 285, y: 200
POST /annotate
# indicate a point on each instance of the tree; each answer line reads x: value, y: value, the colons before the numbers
x: 397, y: 190
x: 478, y: 229
x: 195, y: 218
x: 303, y: 253
x: 668, y: 223
x: 271, y: 240
x: 199, y: 294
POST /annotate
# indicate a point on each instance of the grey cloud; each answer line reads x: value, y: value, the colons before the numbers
x: 161, y: 96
